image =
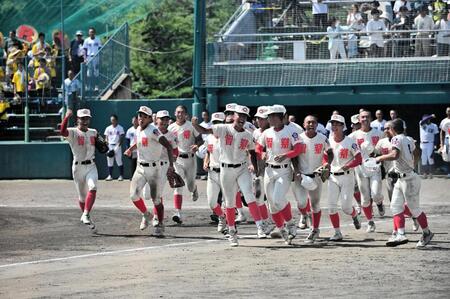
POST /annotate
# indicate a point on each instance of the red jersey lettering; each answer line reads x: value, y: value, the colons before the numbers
x: 343, y: 153
x: 360, y: 141
x: 244, y: 143
x: 210, y: 148
x: 318, y: 148
x: 375, y: 140
x: 284, y: 142
x: 186, y: 134
x: 144, y: 141
x: 384, y: 151
x: 80, y: 140
x: 228, y: 139
x: 269, y: 142
x: 92, y: 140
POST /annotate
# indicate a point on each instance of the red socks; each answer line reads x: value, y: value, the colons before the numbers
x: 287, y: 213
x: 335, y: 220
x: 422, y: 219
x: 90, y: 199
x: 140, y: 205
x: 263, y: 211
x: 316, y: 219
x: 177, y: 201
x: 306, y: 209
x: 357, y: 196
x: 238, y: 200
x: 231, y: 217
x: 399, y: 221
x: 407, y: 211
x: 354, y: 213
x: 254, y: 211
x: 368, y: 212
x: 218, y: 210
x: 278, y: 219
x: 81, y: 205
x: 159, y: 212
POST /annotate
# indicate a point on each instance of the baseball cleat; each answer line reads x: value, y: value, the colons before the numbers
x: 381, y: 210
x: 285, y: 236
x: 158, y: 231
x: 358, y: 209
x: 222, y: 225
x: 86, y: 219
x: 370, y: 227
x: 177, y: 218
x: 336, y: 237
x: 292, y: 230
x: 303, y: 223
x: 260, y: 233
x: 155, y: 221
x: 240, y: 218
x: 109, y: 178
x: 120, y: 178
x: 232, y: 237
x: 268, y: 228
x: 195, y: 194
x: 424, y: 240
x: 214, y: 218
x: 313, y: 235
x: 276, y: 233
x: 357, y: 222
x: 415, y: 224
x: 145, y: 222
x: 396, y: 240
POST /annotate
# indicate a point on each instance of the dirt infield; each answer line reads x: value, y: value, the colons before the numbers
x: 45, y: 252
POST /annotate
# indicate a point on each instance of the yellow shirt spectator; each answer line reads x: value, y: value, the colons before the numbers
x: 19, y: 81
x: 3, y: 106
x: 38, y: 51
x: 42, y: 78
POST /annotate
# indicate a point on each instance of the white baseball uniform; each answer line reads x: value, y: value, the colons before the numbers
x: 407, y: 187
x: 369, y: 184
x: 261, y: 166
x: 113, y: 135
x: 310, y: 158
x: 213, y: 184
x: 383, y: 147
x: 186, y: 163
x: 278, y: 175
x: 131, y: 136
x: 91, y: 47
x: 341, y: 183
x: 84, y: 170
x: 234, y: 173
x: 427, y: 134
x: 149, y: 164
x: 445, y: 126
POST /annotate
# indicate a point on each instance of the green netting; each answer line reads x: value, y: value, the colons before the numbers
x: 45, y: 15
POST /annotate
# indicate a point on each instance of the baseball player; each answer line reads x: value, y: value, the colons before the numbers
x: 406, y: 188
x: 281, y: 144
x: 428, y: 130
x: 236, y: 143
x: 355, y: 126
x: 186, y: 163
x: 149, y: 145
x: 211, y: 164
x: 162, y: 123
x: 130, y: 136
x: 346, y: 156
x: 313, y: 147
x: 383, y: 147
x: 82, y: 143
x: 114, y: 135
x: 369, y: 184
x: 444, y: 137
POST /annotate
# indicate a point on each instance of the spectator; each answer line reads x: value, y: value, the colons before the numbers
x: 443, y: 37
x: 357, y: 25
x: 439, y: 7
x: 19, y: 81
x: 320, y: 13
x: 424, y: 25
x: 375, y: 28
x: 114, y: 135
x: 11, y: 62
x: 130, y: 136
x: 76, y: 52
x: 445, y: 140
x: 402, y: 22
x: 335, y: 41
x: 12, y: 42
x: 38, y: 49
x: 428, y: 131
x: 51, y: 64
x: 399, y: 4
x: 205, y: 123
x: 42, y: 78
x: 379, y: 122
x: 4, y: 106
x: 91, y: 46
x: 353, y: 14
x: 71, y: 88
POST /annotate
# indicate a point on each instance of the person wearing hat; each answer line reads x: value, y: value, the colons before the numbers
x: 428, y: 131
x: 211, y: 164
x: 346, y: 156
x: 114, y: 135
x: 150, y: 143
x: 375, y: 29
x: 82, y: 143
x: 424, y: 25
x: 277, y: 146
x: 76, y: 52
x: 229, y: 117
x: 369, y: 183
x: 235, y: 173
x: 162, y: 123
x: 402, y: 22
x: 443, y: 36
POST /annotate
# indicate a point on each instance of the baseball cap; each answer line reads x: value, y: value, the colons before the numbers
x: 79, y: 32
x: 83, y: 113
x: 230, y: 107
x: 276, y: 109
x: 261, y: 112
x: 218, y: 116
x: 145, y: 110
x: 162, y: 113
x: 338, y: 118
x: 242, y: 110
x: 354, y: 119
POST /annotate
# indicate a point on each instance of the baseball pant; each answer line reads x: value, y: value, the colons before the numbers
x: 427, y: 153
x: 85, y: 178
x: 370, y: 187
x: 213, y: 188
x: 234, y: 179
x: 407, y: 190
x: 302, y: 195
x: 142, y: 176
x: 117, y: 155
x: 186, y: 168
x: 162, y: 183
x: 341, y: 188
x: 276, y: 186
x: 389, y: 187
x: 260, y: 199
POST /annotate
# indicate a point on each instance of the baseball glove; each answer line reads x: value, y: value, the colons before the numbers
x: 100, y: 144
x: 324, y: 173
x: 175, y: 180
x: 110, y: 153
